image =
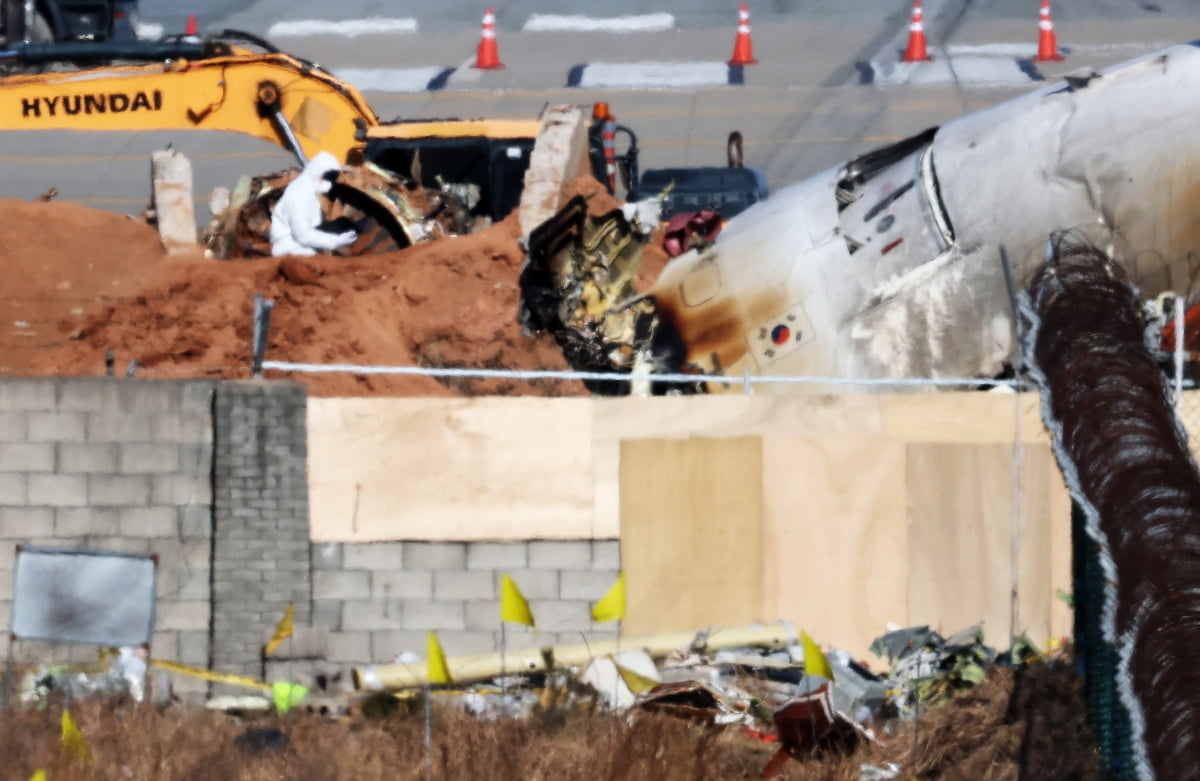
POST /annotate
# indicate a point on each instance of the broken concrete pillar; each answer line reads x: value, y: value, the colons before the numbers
x: 173, y: 206
x: 559, y: 155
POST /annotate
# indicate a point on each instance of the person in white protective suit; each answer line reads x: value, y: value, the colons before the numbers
x: 297, y: 223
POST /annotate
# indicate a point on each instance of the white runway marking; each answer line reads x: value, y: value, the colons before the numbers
x: 641, y: 23
x: 670, y: 75
x: 349, y: 28
x: 391, y: 79
x: 967, y: 70
x: 1028, y: 50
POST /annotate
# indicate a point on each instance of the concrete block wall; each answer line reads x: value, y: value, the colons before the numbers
x: 212, y: 477
x: 260, y: 539
x: 376, y: 600
x: 113, y: 464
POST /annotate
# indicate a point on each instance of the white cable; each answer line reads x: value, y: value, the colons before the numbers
x: 680, y: 379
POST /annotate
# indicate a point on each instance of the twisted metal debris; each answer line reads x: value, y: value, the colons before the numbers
x: 1136, y: 490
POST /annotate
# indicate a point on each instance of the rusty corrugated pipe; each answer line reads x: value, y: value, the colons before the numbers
x: 1126, y: 461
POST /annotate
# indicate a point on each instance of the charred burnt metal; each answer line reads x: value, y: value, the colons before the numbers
x: 1126, y: 462
x: 578, y: 284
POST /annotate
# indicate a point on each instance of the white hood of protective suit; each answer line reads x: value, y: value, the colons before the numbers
x: 297, y: 215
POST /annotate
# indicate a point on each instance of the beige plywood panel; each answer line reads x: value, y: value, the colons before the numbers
x: 671, y: 417
x: 959, y: 554
x: 835, y: 537
x: 450, y: 469
x: 691, y: 533
x: 1189, y: 415
x: 962, y: 417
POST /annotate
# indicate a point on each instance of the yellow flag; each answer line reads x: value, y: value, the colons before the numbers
x: 74, y: 746
x: 283, y: 630
x: 513, y: 605
x: 815, y: 662
x: 38, y: 775
x: 436, y: 668
x: 611, y: 606
x: 636, y: 682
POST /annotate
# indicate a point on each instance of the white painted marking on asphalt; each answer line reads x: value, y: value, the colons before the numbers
x: 966, y: 70
x: 640, y: 23
x: 1028, y: 50
x: 464, y: 74
x: 676, y: 75
x: 987, y: 71
x: 993, y: 49
x: 148, y: 31
x: 390, y: 79
x: 349, y: 28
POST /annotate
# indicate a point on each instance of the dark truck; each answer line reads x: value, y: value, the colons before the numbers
x: 728, y: 191
x: 62, y: 21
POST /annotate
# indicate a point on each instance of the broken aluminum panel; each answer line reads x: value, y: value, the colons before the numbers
x: 889, y: 266
x: 397, y: 214
x: 694, y: 701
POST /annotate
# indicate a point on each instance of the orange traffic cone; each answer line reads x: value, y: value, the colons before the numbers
x: 487, y: 57
x: 916, y: 51
x: 743, y: 47
x: 1047, y: 41
x: 192, y: 29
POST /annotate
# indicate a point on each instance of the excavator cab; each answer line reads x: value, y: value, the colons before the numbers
x: 488, y: 156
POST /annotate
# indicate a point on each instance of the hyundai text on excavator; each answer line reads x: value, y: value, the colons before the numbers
x: 237, y: 82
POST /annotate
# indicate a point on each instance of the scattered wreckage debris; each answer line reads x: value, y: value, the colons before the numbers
x: 758, y: 680
x: 696, y: 231
x: 393, y: 212
x: 1136, y: 492
x: 1013, y: 725
x: 467, y: 669
x: 807, y: 726
x: 754, y: 706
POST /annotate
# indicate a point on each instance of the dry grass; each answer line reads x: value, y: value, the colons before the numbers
x: 991, y: 733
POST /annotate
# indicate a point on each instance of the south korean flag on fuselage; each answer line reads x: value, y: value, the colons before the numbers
x: 780, y: 336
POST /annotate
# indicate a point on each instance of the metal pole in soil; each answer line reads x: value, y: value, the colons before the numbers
x: 8, y: 671
x: 503, y: 660
x: 291, y: 656
x: 428, y: 732
x: 262, y: 324
x: 1178, y: 355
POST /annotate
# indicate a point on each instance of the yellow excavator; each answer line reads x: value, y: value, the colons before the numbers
x: 237, y: 82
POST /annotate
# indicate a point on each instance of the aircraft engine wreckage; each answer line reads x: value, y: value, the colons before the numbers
x: 890, y: 266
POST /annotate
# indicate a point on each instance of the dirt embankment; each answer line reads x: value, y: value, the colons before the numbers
x: 79, y: 282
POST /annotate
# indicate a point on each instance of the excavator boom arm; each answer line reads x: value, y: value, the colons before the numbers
x: 242, y: 93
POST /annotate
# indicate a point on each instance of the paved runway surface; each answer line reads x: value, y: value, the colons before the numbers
x: 822, y: 90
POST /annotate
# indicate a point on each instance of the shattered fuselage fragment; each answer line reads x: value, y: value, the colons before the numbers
x: 890, y: 265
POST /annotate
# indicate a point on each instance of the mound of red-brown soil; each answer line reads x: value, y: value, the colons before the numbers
x: 80, y: 282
